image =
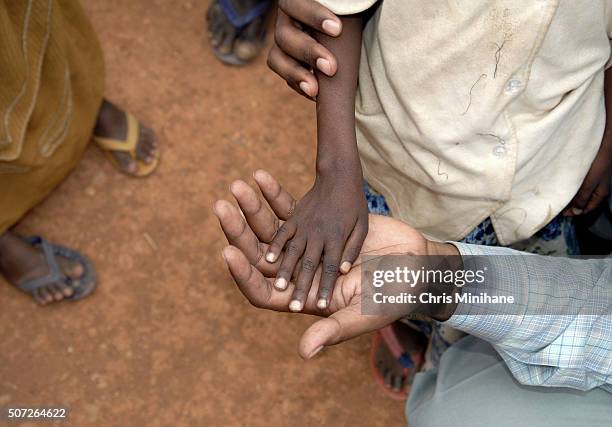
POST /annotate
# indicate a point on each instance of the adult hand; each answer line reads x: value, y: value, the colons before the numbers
x: 294, y: 50
x: 254, y: 276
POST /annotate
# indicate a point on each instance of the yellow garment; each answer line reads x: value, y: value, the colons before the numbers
x: 52, y: 77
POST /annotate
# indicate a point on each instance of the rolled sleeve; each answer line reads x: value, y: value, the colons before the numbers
x: 347, y: 7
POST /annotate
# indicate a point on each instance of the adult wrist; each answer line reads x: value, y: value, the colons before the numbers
x: 452, y: 260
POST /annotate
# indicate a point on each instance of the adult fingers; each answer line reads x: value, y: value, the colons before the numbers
x: 239, y: 234
x: 353, y: 246
x: 301, y: 47
x: 253, y: 285
x: 261, y: 220
x: 341, y: 326
x: 310, y: 262
x: 281, y: 202
x: 313, y: 15
x: 297, y: 77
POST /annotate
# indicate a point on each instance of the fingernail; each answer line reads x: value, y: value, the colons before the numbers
x: 280, y: 284
x: 322, y: 304
x: 295, y: 305
x: 331, y: 27
x: 577, y: 211
x: 305, y: 88
x: 324, y: 65
x: 270, y: 257
x: 315, y: 352
x: 345, y: 267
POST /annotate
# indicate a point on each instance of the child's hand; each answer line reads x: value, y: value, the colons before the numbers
x: 596, y: 185
x: 330, y: 220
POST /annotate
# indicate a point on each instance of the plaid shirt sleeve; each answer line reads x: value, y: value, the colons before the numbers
x: 570, y: 348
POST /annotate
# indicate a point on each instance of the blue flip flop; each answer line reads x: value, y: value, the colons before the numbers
x: 82, y: 287
x: 239, y: 21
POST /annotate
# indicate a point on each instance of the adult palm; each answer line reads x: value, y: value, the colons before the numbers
x: 249, y: 235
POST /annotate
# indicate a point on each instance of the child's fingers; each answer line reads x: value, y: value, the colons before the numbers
x: 297, y: 77
x: 581, y: 199
x: 299, y: 46
x: 579, y: 203
x: 281, y: 202
x: 310, y: 262
x: 240, y: 235
x: 600, y: 193
x: 261, y: 220
x: 352, y: 248
x: 284, y: 233
x: 329, y: 274
x: 293, y: 253
x: 313, y: 15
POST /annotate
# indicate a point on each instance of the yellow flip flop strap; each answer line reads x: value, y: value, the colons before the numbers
x: 129, y: 144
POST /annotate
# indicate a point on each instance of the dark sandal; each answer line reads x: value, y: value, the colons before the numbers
x: 239, y: 21
x: 81, y: 288
x: 411, y: 363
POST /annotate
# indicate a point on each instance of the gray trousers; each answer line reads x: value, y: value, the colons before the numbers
x: 473, y: 387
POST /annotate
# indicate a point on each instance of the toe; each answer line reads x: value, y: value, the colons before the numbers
x: 56, y: 292
x: 248, y: 44
x: 126, y: 162
x: 147, y: 145
x: 388, y: 375
x: 217, y: 33
x: 45, y: 296
x: 246, y: 50
x: 39, y: 297
x: 72, y: 269
x: 66, y: 290
x: 227, y: 44
x: 397, y: 382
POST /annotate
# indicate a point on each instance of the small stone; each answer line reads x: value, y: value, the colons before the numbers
x: 92, y: 412
x: 70, y: 349
x: 90, y: 191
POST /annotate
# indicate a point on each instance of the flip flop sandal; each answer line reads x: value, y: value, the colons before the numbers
x: 239, y: 22
x: 82, y: 287
x: 411, y: 363
x: 127, y: 145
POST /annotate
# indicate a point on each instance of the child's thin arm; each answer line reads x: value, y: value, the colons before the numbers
x: 332, y: 218
x: 337, y: 147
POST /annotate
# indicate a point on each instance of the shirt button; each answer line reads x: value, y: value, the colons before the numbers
x: 513, y: 85
x: 499, y: 151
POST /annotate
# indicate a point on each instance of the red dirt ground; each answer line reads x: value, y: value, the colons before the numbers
x: 167, y: 340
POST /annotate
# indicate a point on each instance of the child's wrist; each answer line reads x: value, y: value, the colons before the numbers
x: 342, y: 161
